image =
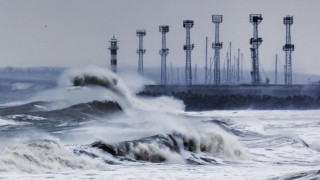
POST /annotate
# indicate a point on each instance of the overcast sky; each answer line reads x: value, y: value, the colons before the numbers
x: 76, y: 32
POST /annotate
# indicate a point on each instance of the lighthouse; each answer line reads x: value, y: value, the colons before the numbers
x: 113, y: 50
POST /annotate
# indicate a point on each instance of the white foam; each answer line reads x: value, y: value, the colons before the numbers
x: 21, y: 86
x: 40, y: 107
x: 43, y: 156
x: 26, y: 117
x: 5, y: 122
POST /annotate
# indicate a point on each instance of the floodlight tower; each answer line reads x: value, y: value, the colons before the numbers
x: 141, y: 33
x: 255, y: 42
x: 164, y: 52
x: 288, y: 48
x: 217, y: 19
x: 113, y: 50
x: 188, y: 24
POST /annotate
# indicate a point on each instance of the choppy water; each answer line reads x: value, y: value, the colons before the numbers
x: 109, y: 133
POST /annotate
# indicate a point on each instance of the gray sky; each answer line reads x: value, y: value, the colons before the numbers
x: 75, y: 32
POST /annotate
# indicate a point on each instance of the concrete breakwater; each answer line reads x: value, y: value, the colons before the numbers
x: 208, y: 97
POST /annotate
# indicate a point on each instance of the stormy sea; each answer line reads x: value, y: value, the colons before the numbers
x: 88, y: 123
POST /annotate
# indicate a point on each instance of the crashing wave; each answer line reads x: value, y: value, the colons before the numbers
x: 93, y: 76
x: 208, y: 148
x: 43, y: 156
x: 82, y: 85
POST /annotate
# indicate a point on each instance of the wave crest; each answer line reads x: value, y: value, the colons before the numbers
x: 92, y: 76
x: 176, y: 148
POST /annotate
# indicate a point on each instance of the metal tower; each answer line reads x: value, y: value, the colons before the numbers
x: 141, y: 33
x: 288, y: 48
x: 255, y: 42
x: 113, y: 50
x: 217, y: 19
x: 164, y: 52
x: 188, y: 24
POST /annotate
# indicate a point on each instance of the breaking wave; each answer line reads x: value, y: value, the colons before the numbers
x: 43, y: 155
x: 203, y: 146
x: 82, y: 85
x: 93, y: 76
x: 153, y: 129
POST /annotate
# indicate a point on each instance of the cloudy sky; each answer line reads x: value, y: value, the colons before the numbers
x: 76, y: 32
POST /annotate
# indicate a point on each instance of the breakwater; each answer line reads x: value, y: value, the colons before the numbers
x: 208, y: 97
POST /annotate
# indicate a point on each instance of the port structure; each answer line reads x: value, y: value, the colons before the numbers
x: 113, y: 50
x: 255, y: 42
x: 217, y: 46
x: 288, y: 48
x: 188, y: 24
x: 164, y: 52
x: 141, y: 33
